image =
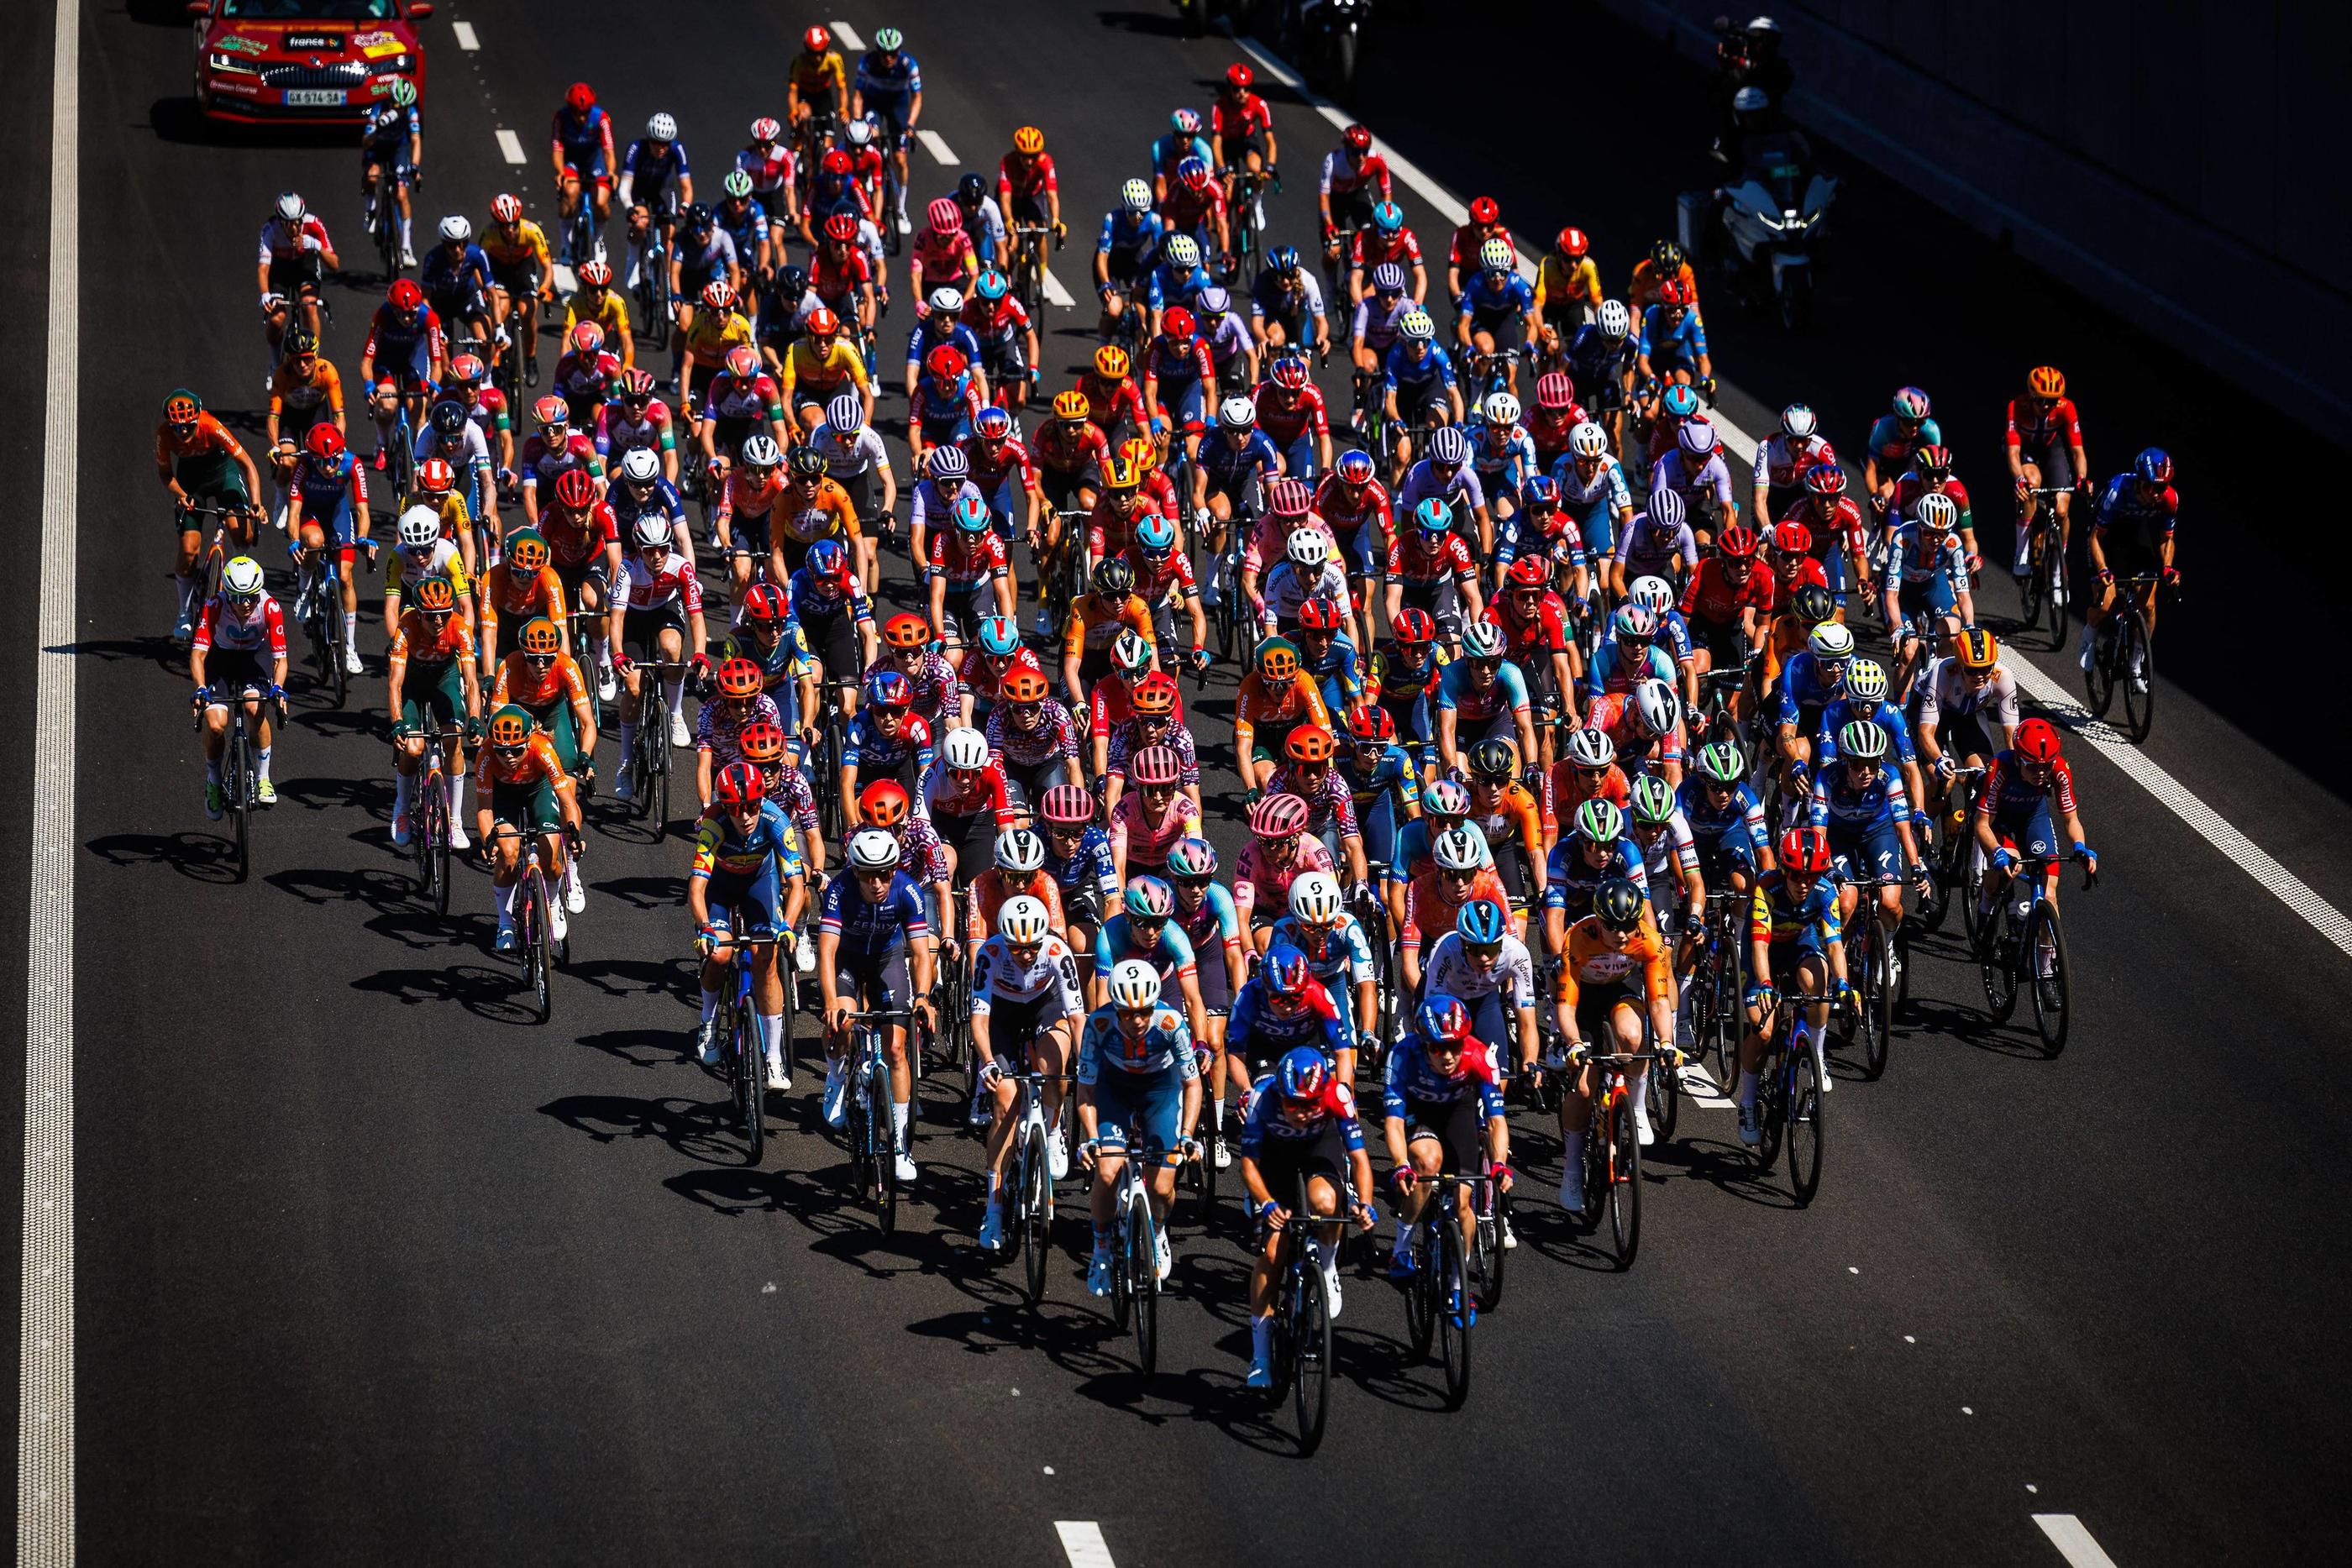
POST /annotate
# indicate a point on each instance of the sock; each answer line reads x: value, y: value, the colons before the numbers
x: 709, y: 1005
x: 628, y: 739
x: 674, y: 694
x: 1571, y: 1156
x: 186, y: 586
x: 407, y: 231
x: 900, y: 1111
x: 1402, y: 1231
x: 995, y: 1182
x: 506, y: 907
x: 571, y: 874
x: 1102, y: 1241
x: 771, y: 1035
x: 456, y: 797
x: 1262, y: 1340
x: 261, y: 760
x: 212, y: 771
x: 1747, y: 1088
x: 1218, y: 1112
x: 400, y: 783
x: 1641, y: 1097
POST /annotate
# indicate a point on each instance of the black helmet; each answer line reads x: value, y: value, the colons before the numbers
x: 970, y: 189
x: 1493, y: 757
x: 806, y: 462
x: 1618, y: 904
x: 1814, y: 604
x: 792, y: 282
x: 697, y: 218
x: 449, y: 418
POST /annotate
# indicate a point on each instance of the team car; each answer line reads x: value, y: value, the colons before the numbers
x: 303, y: 62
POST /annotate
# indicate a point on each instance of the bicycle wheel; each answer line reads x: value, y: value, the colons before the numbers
x: 1037, y: 1210
x: 1310, y: 1351
x: 661, y: 769
x: 1877, y: 1000
x: 423, y: 845
x: 2099, y: 680
x: 1456, y: 1311
x: 2139, y: 691
x: 2045, y: 952
x: 1804, y: 1123
x: 1665, y: 1099
x: 1143, y: 1280
x: 1997, y: 964
x: 1772, y: 1102
x: 881, y: 1117
x: 641, y: 763
x: 828, y: 796
x: 339, y: 678
x: 1486, y: 1252
x: 1123, y: 1277
x: 1625, y: 1157
x: 749, y: 1081
x: 2053, y: 599
x: 2033, y: 593
x: 538, y: 945
x: 237, y: 776
x: 1420, y: 1287
x: 1935, y: 899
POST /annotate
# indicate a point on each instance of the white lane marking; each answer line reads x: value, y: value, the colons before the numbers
x: 510, y: 145
x: 936, y: 145
x: 1082, y: 1543
x: 2074, y: 1543
x: 1055, y: 294
x: 847, y: 37
x: 562, y: 276
x: 1703, y: 1089
x: 467, y: 39
x: 44, y: 1349
x: 2291, y: 890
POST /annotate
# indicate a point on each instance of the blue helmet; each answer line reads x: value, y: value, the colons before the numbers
x: 1149, y: 898
x: 2154, y: 467
x: 993, y: 285
x: 827, y: 562
x: 1388, y: 217
x: 1355, y: 465
x: 991, y: 424
x: 889, y: 689
x: 1284, y: 970
x: 1442, y: 1018
x: 1432, y: 515
x: 1481, y: 922
x: 1155, y: 535
x: 1284, y: 258
x: 1680, y: 400
x: 998, y: 635
x: 973, y: 516
x: 1302, y: 1073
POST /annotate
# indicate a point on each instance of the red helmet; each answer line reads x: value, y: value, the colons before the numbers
x: 883, y: 803
x: 740, y: 784
x: 580, y: 96
x: 765, y: 602
x: 636, y: 383
x: 551, y: 411
x: 1413, y: 628
x: 1530, y: 571
x: 587, y: 338
x: 1554, y: 391
x: 1358, y: 138
x: 1806, y: 851
x: 405, y: 294
x: 468, y: 368
x: 841, y: 228
x: 325, y: 442
x: 1288, y: 497
x: 765, y: 129
x: 946, y: 361
x: 1792, y: 540
x: 434, y: 476
x: 837, y: 162
x: 1178, y: 322
x: 1319, y: 615
x: 507, y: 207
x: 1485, y: 210
x: 1673, y: 291
x: 1369, y: 724
x: 718, y: 294
x: 817, y: 40
x: 1192, y: 174
x: 738, y: 680
x: 742, y: 361
x: 595, y: 273
x: 2037, y: 739
x: 1238, y: 76
x: 1571, y: 242
x: 1737, y: 543
x: 575, y: 490
x: 824, y: 323
x: 1826, y: 480
x: 1155, y: 694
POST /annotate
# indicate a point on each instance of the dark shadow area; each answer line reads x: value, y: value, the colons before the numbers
x: 642, y: 1047
x: 200, y: 857
x: 497, y: 995
x: 704, y: 1132
x: 179, y: 119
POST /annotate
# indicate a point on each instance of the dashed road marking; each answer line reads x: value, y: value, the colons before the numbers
x: 2073, y: 1542
x: 936, y: 145
x: 511, y: 145
x: 467, y: 39
x: 1082, y: 1543
x: 1055, y: 294
x: 847, y: 37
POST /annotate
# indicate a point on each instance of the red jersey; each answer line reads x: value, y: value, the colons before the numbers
x: 984, y: 677
x: 1107, y: 403
x: 1462, y: 251
x: 1068, y: 449
x: 1020, y: 176
x: 1910, y: 488
x: 1348, y: 508
x: 1541, y: 637
x: 1238, y: 115
x: 1111, y: 703
x: 1373, y: 247
x: 991, y: 466
x: 2060, y: 426
x: 1711, y: 596
x: 834, y: 278
x: 1549, y: 430
x: 1285, y: 418
x: 1410, y: 562
x: 573, y: 542
x: 1109, y: 534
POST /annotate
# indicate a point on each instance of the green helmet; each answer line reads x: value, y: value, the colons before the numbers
x: 888, y: 40
x: 1654, y: 799
x: 1600, y: 820
x: 404, y: 92
x: 1719, y: 762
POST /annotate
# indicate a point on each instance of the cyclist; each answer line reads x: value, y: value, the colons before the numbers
x: 294, y: 256
x: 1486, y: 967
x: 1026, y: 188
x: 1838, y: 539
x: 1496, y: 309
x: 737, y: 701
x: 1286, y: 307
x: 1725, y: 817
x: 437, y: 648
x: 200, y: 463
x: 580, y: 147
x: 1601, y: 365
x: 1725, y: 604
x: 1794, y: 931
x: 1961, y: 692
x: 1895, y: 436
x: 522, y: 791
x: 1533, y: 621
x: 304, y: 390
x: 1444, y: 1105
x: 1078, y: 856
x: 1864, y: 695
x: 1608, y: 953
x: 817, y: 82
x: 1672, y: 348
x: 1460, y: 868
x: 1867, y: 811
x: 586, y: 375
x: 522, y: 275
x: 1007, y: 337
x: 889, y: 90
x: 1036, y: 740
x: 1568, y: 284
x: 1139, y: 1097
x: 1782, y: 461
x: 2013, y: 818
x: 2132, y: 539
x: 456, y: 280
x: 392, y: 157
x: 634, y: 419
x: 1418, y: 390
x: 2045, y: 448
x: 1307, y: 773
x: 1381, y: 776
x: 1597, y: 847
x: 1126, y: 253
x: 747, y: 862
x: 1506, y: 813
x: 656, y: 615
x: 875, y: 952
x: 545, y: 682
x: 1482, y: 694
x: 1276, y: 696
x: 327, y: 508
x: 1301, y: 1134
x: 240, y: 626
x: 886, y: 805
x: 1386, y: 240
x: 1196, y: 210
x: 1925, y: 592
x: 1025, y: 995
x: 404, y: 342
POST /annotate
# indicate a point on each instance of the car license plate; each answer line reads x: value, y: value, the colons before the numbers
x: 314, y: 97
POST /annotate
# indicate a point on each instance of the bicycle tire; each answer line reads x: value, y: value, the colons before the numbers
x: 2052, y: 993
x: 1486, y: 1252
x: 1310, y: 1349
x: 1772, y: 1106
x: 339, y: 677
x: 540, y: 946
x: 239, y: 775
x: 661, y: 769
x: 1665, y: 1099
x: 749, y: 1082
x: 2139, y: 707
x: 2033, y: 592
x: 1421, y: 1290
x: 1877, y: 1000
x: 883, y: 1131
x: 2053, y: 595
x: 441, y: 850
x: 1935, y: 899
x: 1624, y: 1160
x: 1998, y: 971
x: 1805, y: 1134
x: 1456, y: 1312
x: 1143, y: 1278
x: 2099, y: 680
x: 1037, y: 1211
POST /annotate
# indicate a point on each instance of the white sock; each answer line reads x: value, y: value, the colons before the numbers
x: 1571, y: 1155
x: 186, y: 586
x: 1642, y: 1096
x: 506, y: 907
x: 900, y: 1111
x: 1747, y: 1088
x: 261, y: 760
x: 709, y: 1005
x: 771, y: 1035
x: 674, y: 694
x: 407, y: 231
x: 1218, y: 1113
x: 457, y: 797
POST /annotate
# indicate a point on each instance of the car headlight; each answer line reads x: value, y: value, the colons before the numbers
x: 229, y: 64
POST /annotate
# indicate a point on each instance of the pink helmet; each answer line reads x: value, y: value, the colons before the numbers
x: 1280, y: 816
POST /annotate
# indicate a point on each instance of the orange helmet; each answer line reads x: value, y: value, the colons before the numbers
x: 540, y: 637
x: 1070, y: 405
x: 435, y: 597
x: 2044, y: 381
x: 1310, y: 743
x: 1024, y: 686
x: 907, y: 629
x: 1111, y: 362
x: 1155, y: 694
x: 883, y: 803
x: 1029, y: 141
x: 739, y: 679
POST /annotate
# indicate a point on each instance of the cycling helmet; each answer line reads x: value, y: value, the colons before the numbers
x: 1290, y: 497
x: 1447, y: 447
x: 884, y: 803
x: 1805, y: 852
x: 1155, y: 694
x: 1128, y: 651
x: 1659, y: 708
x: 1977, y: 650
x: 1614, y: 321
x: 1184, y: 251
x: 456, y: 229
x: 1134, y: 985
x: 1831, y: 643
x: 1555, y: 391
x: 1719, y: 762
x: 449, y: 418
x: 1192, y: 860
x: 1796, y: 422
x: 1023, y: 687
x: 1571, y: 242
x: 1310, y: 743
x: 1493, y: 757
x: 1591, y: 749
x: 859, y: 131
x: 2153, y: 466
x: 1459, y: 849
x: 1283, y: 258
x: 1416, y: 327
x: 324, y: 443
x: 1502, y: 410
x: 1156, y: 767
x: 949, y: 463
x: 965, y: 750
x: 1277, y: 660
x: 1589, y: 441
x: 841, y: 228
x: 2045, y: 381
x: 1278, y: 816
x: 1315, y: 898
x: 526, y: 550
x: 1155, y: 535
x: 1737, y: 543
x: 1135, y: 196
x: 1666, y: 509
x: 1288, y: 372
x: 845, y: 414
x: 1676, y: 295
x: 1179, y: 323
x: 1667, y: 256
x: 1067, y: 805
x: 434, y: 595
x: 1114, y: 578
x: 1696, y: 437
x: 1020, y: 850
x: 973, y: 516
x: 761, y: 742
x: 1286, y: 974
x: 653, y: 531
x: 1655, y: 594
x: 1236, y: 414
x: 406, y: 296
x: 241, y: 579
x: 1910, y: 403
x: 737, y: 184
x: 1446, y: 800
x: 539, y: 638
x: 1814, y: 604
x: 1933, y: 464
x: 807, y: 462
x: 888, y: 690
x: 420, y: 528
x: 764, y: 601
x: 945, y: 216
x: 907, y: 629
x: 510, y: 728
x: 1599, y: 822
x: 2037, y: 740
x: 403, y: 93
x: 1653, y: 800
x: 1000, y: 637
x: 1618, y: 904
x: 1792, y: 540
x: 638, y: 466
x: 1388, y: 217
x: 1306, y: 548
x: 1025, y: 922
x: 947, y: 362
x: 595, y: 273
x: 990, y: 424
x: 824, y: 323
x: 1482, y: 923
x: 1494, y: 256
x: 888, y: 40
x: 1388, y: 278
x: 1214, y: 301
x: 1861, y: 740
x: 871, y: 849
x: 827, y: 559
x: 738, y: 784
x: 1529, y: 572
x: 1680, y: 401
x: 1369, y: 724
x: 1149, y: 898
x: 1634, y: 624
x: 1193, y: 173
x: 1111, y: 365
x: 1302, y: 1074
x: 1939, y: 512
x: 1865, y: 681
x: 759, y: 451
x: 1483, y: 639
x: 1028, y: 141
x: 993, y: 285
x: 1413, y: 628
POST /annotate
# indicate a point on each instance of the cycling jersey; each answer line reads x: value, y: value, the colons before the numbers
x: 263, y: 629
x: 1413, y: 1079
x: 1164, y: 1046
x: 1459, y: 693
x: 1052, y: 739
x: 1775, y: 916
x: 1450, y: 970
x: 725, y: 854
x: 1144, y: 841
x: 872, y: 929
x: 1948, y: 693
x: 1256, y: 1032
x: 1593, y: 964
x: 820, y: 75
x: 999, y: 975
x: 672, y: 581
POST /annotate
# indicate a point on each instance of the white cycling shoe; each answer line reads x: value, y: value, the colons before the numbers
x: 836, y: 1096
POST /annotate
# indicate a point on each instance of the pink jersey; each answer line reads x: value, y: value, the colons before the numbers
x: 1253, y: 874
x: 1271, y: 542
x: 1146, y: 841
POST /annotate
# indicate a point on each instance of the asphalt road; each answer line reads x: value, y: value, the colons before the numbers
x: 371, y: 1269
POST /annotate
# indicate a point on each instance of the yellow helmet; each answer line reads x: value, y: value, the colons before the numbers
x: 1142, y: 451
x: 1978, y: 650
x: 1111, y: 362
x: 1028, y: 141
x: 1070, y: 405
x: 1120, y: 473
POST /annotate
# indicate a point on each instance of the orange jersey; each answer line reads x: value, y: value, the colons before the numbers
x: 537, y: 765
x: 209, y: 438
x: 420, y: 644
x: 1593, y: 962
x: 1642, y: 292
x: 1431, y: 908
x: 1094, y: 625
x: 1567, y: 787
x: 990, y: 892
x: 1295, y: 701
x: 518, y: 598
x: 321, y: 397
x: 519, y: 682
x: 1514, y: 812
x: 826, y: 515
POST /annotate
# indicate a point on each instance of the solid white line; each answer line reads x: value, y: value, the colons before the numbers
x: 847, y: 37
x: 1082, y: 1543
x: 44, y: 1395
x: 2074, y: 1543
x: 511, y: 145
x: 1055, y: 294
x: 934, y: 144
x: 467, y: 39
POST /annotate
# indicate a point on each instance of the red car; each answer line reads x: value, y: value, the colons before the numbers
x: 303, y: 62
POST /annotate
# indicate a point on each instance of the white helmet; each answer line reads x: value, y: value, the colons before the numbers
x: 241, y: 578
x: 639, y: 465
x: 1655, y: 594
x: 1502, y: 408
x: 1796, y: 422
x: 1483, y: 639
x: 292, y: 207
x: 1865, y: 681
x: 420, y: 528
x: 1591, y: 748
x: 1615, y: 320
x: 1237, y: 412
x: 947, y: 301
x: 1134, y: 984
x: 661, y: 128
x: 1831, y: 640
x: 1459, y: 849
x: 965, y: 749
x: 1315, y: 898
x: 1135, y: 196
x: 1019, y: 849
x: 1307, y: 547
x: 1022, y: 921
x: 871, y: 849
x: 1696, y: 437
x: 1659, y: 707
x: 1184, y: 251
x: 456, y: 229
x: 1938, y: 511
x: 1589, y: 439
x: 759, y: 451
x: 1496, y: 255
x: 1416, y: 326
x: 652, y: 529
x: 859, y: 131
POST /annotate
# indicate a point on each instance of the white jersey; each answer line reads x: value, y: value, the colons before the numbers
x: 1675, y: 845
x: 847, y: 456
x: 1780, y: 462
x: 1051, y: 973
x: 1946, y: 693
x: 1512, y: 976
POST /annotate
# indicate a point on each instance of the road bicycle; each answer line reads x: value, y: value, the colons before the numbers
x: 833, y: 811
x: 1029, y: 1183
x: 746, y: 1065
x: 1137, y: 1242
x: 1715, y: 982
x: 869, y: 1130
x: 1873, y: 958
x: 648, y: 765
x: 319, y: 607
x: 1248, y: 219
x: 1612, y: 1144
x: 651, y: 289
x: 1788, y: 1095
x: 239, y: 777
x: 2123, y: 658
x: 1028, y: 268
x: 2023, y: 947
x: 537, y: 948
x: 428, y: 819
x: 1441, y: 1293
x: 1302, y: 1353
x: 2043, y: 590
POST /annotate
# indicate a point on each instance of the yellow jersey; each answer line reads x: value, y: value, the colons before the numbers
x: 713, y: 333
x: 819, y: 75
x: 529, y: 245
x: 804, y: 368
x: 612, y: 316
x: 1567, y: 288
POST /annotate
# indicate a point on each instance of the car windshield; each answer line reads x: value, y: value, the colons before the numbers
x: 311, y: 10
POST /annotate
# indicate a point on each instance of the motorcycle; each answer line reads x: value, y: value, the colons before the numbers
x: 1329, y: 32
x: 1773, y: 214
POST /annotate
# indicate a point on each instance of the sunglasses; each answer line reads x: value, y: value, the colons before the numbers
x: 1482, y: 949
x: 1464, y: 877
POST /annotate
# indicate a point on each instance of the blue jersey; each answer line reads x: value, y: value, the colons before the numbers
x: 1806, y: 683
x: 444, y: 274
x: 581, y: 133
x: 1888, y: 443
x: 1334, y: 1107
x: 928, y: 335
x: 1811, y: 922
x: 1230, y: 467
x: 1404, y: 371
x: 745, y: 223
x: 1508, y: 693
x: 1166, y: 1042
x: 1742, y: 813
x: 1611, y: 671
x: 662, y: 501
x: 1089, y: 863
x: 868, y: 929
x: 1679, y: 344
x: 1338, y: 957
x: 1168, y: 285
x: 1595, y: 361
x: 1570, y: 879
x: 1837, y: 714
x: 1130, y: 239
x: 890, y: 84
x: 725, y: 856
x: 1493, y: 293
x: 650, y: 171
x: 387, y: 128
x: 1173, y: 149
x: 1916, y: 557
x: 1843, y: 807
x: 2151, y: 517
x: 1413, y: 1079
x: 1171, y: 954
x: 821, y: 599
x: 864, y: 744
x: 1255, y: 1033
x: 1393, y: 771
x: 1505, y: 459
